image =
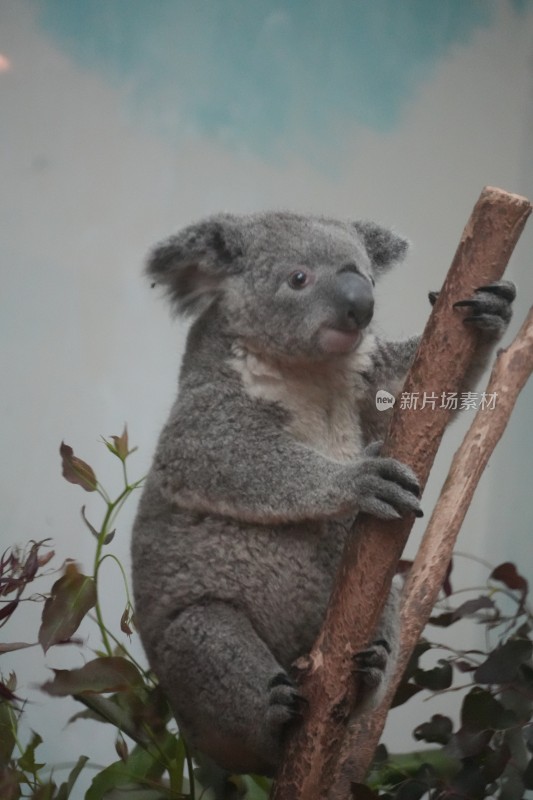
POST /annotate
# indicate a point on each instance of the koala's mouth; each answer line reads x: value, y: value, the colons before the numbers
x: 335, y: 341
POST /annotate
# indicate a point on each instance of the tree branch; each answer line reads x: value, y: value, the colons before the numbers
x: 374, y: 548
x: 511, y: 371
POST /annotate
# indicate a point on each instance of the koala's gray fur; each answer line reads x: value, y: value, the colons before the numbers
x: 268, y: 455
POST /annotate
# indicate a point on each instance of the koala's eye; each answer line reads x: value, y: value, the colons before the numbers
x: 298, y: 279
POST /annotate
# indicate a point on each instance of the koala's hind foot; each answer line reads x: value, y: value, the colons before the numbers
x: 231, y: 698
x: 376, y: 664
x: 285, y: 702
x: 372, y: 667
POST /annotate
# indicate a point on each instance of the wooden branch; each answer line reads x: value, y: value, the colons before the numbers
x: 511, y: 371
x: 374, y: 548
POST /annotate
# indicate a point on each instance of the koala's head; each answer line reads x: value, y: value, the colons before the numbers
x: 286, y: 285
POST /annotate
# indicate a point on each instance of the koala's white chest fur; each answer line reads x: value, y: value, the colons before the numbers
x: 321, y: 401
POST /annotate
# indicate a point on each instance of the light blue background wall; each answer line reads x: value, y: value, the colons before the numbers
x: 120, y: 122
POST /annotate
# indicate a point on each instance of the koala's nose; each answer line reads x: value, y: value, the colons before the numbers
x: 354, y: 300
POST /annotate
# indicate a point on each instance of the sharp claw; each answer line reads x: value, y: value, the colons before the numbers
x: 473, y: 303
x: 485, y: 322
x: 504, y: 289
x: 433, y: 297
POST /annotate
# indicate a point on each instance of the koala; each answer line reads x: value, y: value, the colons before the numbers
x: 270, y: 451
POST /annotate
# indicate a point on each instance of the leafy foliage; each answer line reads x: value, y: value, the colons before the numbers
x: 487, y: 754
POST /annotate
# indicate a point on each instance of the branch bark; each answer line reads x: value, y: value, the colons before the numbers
x: 374, y: 548
x: 509, y: 375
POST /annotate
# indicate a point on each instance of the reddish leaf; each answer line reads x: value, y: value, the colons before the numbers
x: 464, y: 666
x: 443, y: 620
x: 467, y: 609
x: 107, y: 674
x: 446, y: 584
x: 120, y: 446
x: 122, y: 748
x: 6, y: 693
x: 508, y: 574
x: 71, y: 598
x: 75, y: 470
x: 10, y: 780
x: 8, y: 609
x: 43, y: 560
x: 8, y: 647
x: 470, y: 607
x: 93, y: 530
x: 125, y: 622
x: 108, y: 538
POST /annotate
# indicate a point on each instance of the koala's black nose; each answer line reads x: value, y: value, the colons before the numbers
x: 354, y: 300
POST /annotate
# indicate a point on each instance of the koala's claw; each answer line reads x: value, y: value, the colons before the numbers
x: 387, y: 489
x: 504, y: 289
x: 490, y: 307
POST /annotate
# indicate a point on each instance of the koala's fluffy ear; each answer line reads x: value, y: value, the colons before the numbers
x: 193, y: 265
x: 383, y: 246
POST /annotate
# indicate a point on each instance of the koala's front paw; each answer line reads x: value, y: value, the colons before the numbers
x: 371, y: 665
x: 284, y: 703
x: 491, y: 307
x: 386, y: 488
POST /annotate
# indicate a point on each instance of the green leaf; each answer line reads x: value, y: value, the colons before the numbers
x: 257, y: 787
x: 75, y: 470
x: 140, y: 772
x: 108, y: 674
x: 528, y: 775
x: 66, y: 788
x: 7, y: 734
x: 27, y: 760
x: 117, y: 710
x: 72, y: 596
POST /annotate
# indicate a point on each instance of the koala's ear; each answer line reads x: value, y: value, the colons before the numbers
x: 383, y: 246
x: 193, y: 265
